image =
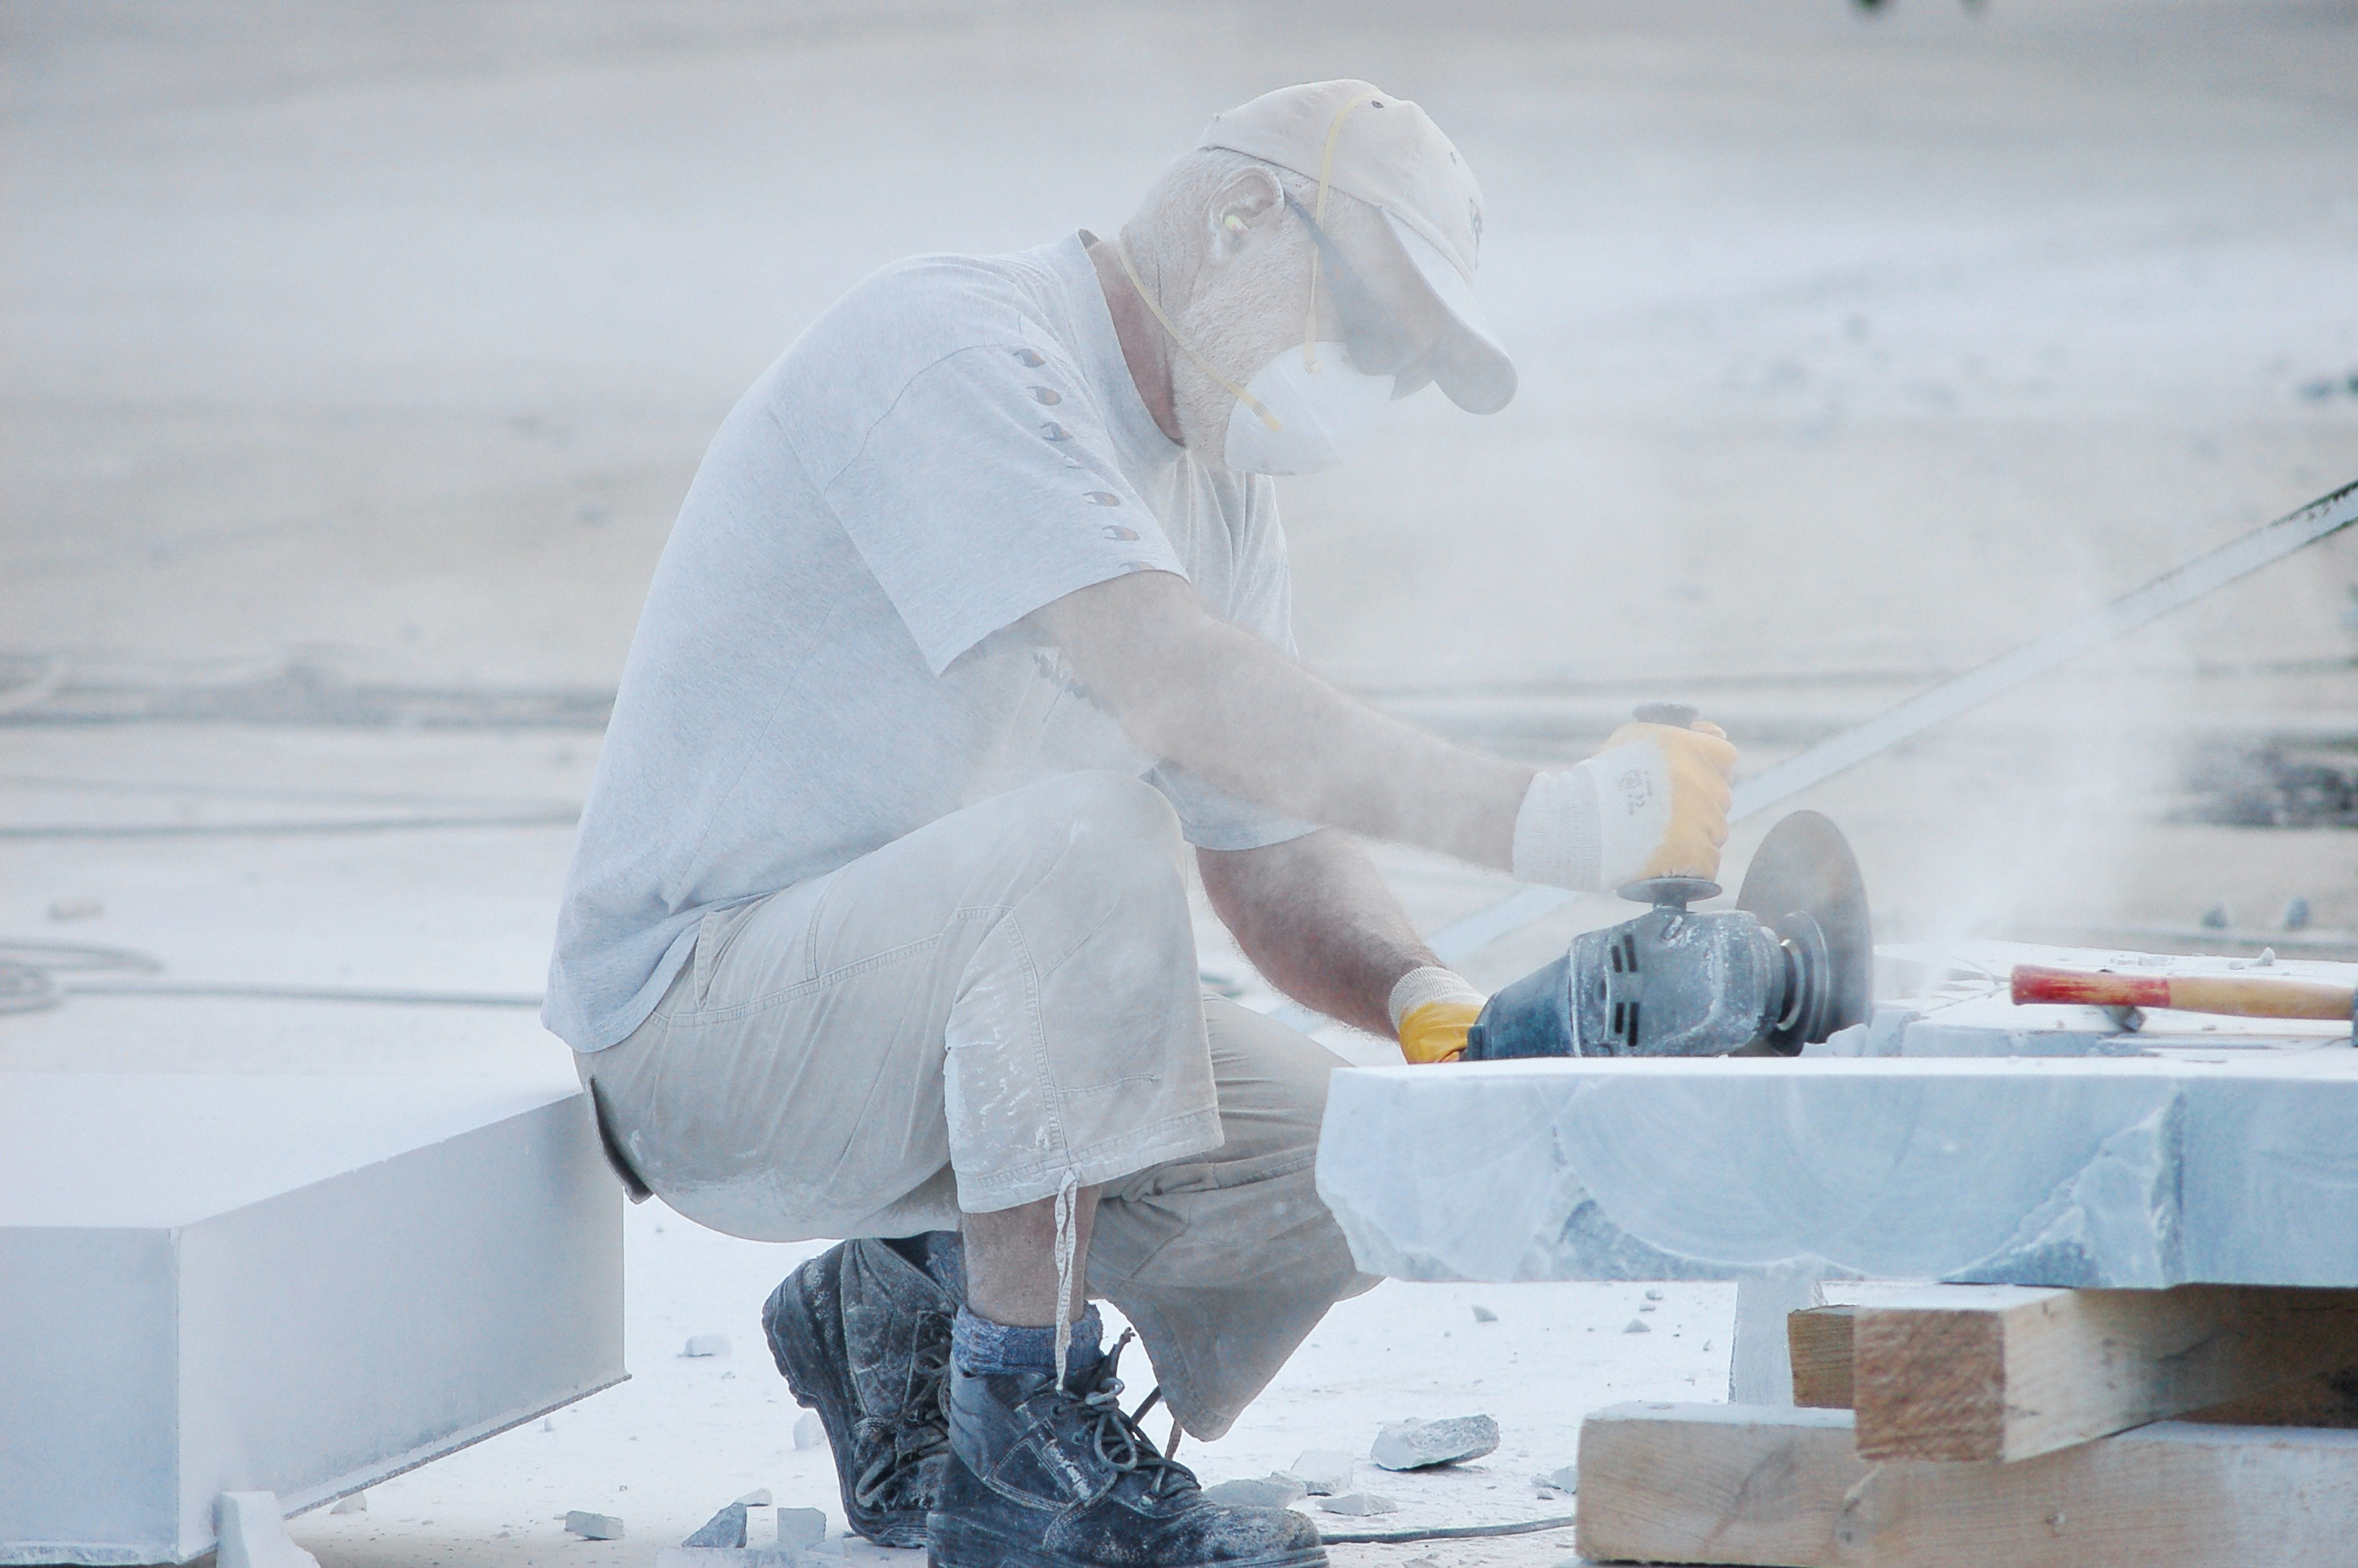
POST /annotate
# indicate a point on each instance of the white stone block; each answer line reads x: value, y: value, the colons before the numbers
x: 2188, y: 1164
x: 292, y: 1284
x: 707, y: 1345
x: 593, y: 1526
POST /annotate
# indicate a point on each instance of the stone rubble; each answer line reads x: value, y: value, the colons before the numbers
x: 355, y: 1504
x: 1325, y: 1471
x: 252, y: 1533
x: 1417, y: 1444
x: 707, y: 1345
x: 1275, y: 1490
x: 1483, y: 1314
x: 725, y: 1527
x: 593, y: 1526
x: 800, y: 1529
x: 1358, y: 1505
x: 810, y: 1432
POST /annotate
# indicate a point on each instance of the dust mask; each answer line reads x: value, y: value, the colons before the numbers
x: 1307, y: 410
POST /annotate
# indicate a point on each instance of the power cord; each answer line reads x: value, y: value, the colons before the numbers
x: 1451, y: 1532
x: 29, y: 970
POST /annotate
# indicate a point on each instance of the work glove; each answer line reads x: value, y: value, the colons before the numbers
x: 1431, y: 1010
x: 1652, y: 803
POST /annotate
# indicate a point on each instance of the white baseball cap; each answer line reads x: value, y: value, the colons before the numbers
x: 1360, y: 140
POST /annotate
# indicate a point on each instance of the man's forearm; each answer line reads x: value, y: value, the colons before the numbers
x: 1230, y: 709
x: 1317, y: 920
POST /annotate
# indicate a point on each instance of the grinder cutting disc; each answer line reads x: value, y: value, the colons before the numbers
x: 1803, y: 884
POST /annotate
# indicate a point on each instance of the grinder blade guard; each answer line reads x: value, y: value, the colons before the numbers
x: 1790, y: 965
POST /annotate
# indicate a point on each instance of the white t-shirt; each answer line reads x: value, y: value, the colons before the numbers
x: 835, y: 648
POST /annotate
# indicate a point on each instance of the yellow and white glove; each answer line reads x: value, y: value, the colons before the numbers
x: 1652, y: 803
x: 1431, y: 1010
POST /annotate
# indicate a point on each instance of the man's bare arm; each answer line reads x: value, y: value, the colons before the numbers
x: 1229, y: 708
x: 1318, y: 921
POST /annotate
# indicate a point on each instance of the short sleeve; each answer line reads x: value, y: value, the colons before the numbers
x: 986, y: 489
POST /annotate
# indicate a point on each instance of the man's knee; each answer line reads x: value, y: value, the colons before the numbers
x: 1106, y: 850
x: 1114, y: 820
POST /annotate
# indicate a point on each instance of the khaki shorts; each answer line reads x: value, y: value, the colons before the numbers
x: 960, y: 1018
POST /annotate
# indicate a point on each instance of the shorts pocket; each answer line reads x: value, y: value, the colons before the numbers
x: 714, y: 935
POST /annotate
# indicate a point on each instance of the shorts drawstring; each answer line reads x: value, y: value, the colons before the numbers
x: 1067, y: 1202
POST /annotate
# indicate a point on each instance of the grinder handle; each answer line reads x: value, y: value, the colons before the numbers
x: 1672, y: 892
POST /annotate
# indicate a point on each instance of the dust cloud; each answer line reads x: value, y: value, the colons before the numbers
x: 367, y: 350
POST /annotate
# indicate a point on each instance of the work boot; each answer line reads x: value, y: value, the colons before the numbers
x: 862, y: 1335
x: 1048, y: 1475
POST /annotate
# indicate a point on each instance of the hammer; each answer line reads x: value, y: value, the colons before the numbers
x: 2242, y: 995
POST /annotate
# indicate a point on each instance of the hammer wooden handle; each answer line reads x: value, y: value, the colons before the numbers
x: 2246, y: 996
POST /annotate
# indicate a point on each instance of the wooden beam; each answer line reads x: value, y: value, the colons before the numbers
x: 1820, y: 1338
x: 1774, y: 1486
x: 1748, y: 1483
x: 1978, y: 1372
x: 1820, y: 1341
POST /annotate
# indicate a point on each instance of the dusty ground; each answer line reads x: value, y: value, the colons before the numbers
x: 381, y: 342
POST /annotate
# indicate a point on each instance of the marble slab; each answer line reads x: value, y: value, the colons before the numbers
x: 2045, y: 1147
x: 293, y: 1284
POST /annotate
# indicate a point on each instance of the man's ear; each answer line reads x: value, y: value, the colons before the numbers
x: 1250, y: 202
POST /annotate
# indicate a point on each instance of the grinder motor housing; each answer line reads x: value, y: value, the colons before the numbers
x: 1787, y: 966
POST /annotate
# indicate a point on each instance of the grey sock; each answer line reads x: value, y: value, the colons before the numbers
x: 979, y: 1346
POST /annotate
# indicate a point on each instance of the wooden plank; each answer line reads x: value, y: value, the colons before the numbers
x: 1977, y: 1372
x: 1771, y: 1487
x: 1819, y: 1339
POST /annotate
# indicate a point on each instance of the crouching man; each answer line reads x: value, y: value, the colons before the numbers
x: 976, y: 615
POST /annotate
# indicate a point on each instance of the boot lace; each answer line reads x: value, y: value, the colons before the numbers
x: 1116, y: 1435
x: 915, y: 1433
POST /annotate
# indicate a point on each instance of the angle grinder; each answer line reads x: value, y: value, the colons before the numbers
x: 1791, y: 964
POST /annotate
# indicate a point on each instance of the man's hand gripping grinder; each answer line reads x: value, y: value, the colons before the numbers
x: 1791, y: 963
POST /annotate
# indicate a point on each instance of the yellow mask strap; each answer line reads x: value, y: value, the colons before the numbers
x: 1121, y: 254
x: 1325, y: 174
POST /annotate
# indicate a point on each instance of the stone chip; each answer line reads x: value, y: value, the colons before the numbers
x: 1325, y: 1471
x: 1274, y: 1490
x: 1418, y: 1444
x: 725, y: 1527
x: 1358, y: 1505
x: 801, y: 1527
